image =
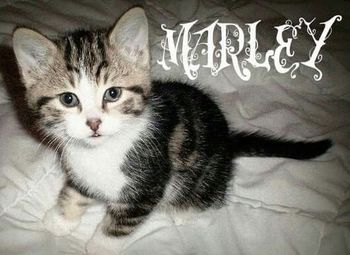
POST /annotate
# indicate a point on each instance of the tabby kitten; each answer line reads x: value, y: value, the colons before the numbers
x: 133, y: 143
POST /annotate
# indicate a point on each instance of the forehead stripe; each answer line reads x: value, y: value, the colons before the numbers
x: 136, y: 89
x: 103, y: 64
x: 43, y: 101
x: 101, y: 46
x: 67, y: 51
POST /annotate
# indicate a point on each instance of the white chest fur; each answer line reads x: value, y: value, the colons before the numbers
x: 99, y: 168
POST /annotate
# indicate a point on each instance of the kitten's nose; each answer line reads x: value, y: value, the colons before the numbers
x: 93, y: 124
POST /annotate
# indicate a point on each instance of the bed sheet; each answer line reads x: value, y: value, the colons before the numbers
x: 275, y: 206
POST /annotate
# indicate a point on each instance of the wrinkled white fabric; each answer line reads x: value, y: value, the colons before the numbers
x: 276, y: 206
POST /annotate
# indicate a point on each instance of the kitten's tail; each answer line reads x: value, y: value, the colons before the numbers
x: 258, y: 145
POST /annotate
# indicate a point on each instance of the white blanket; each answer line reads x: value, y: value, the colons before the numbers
x: 276, y: 206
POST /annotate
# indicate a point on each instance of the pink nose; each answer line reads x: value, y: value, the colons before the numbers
x: 93, y: 124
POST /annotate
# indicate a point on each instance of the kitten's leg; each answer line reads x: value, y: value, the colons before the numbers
x: 63, y: 218
x: 123, y: 219
x: 100, y: 244
x: 72, y: 203
x: 119, y: 221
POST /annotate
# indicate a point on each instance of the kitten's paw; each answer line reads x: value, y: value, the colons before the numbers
x: 110, y: 228
x: 55, y: 222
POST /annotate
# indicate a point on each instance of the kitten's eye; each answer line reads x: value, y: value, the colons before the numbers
x: 112, y: 94
x: 69, y: 99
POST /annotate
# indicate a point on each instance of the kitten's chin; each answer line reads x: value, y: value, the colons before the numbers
x: 93, y: 141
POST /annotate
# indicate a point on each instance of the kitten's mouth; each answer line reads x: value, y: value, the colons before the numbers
x: 95, y: 135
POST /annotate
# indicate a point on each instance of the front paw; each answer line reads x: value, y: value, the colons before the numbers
x: 110, y: 228
x: 55, y: 222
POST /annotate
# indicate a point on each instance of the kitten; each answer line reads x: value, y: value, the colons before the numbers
x: 133, y: 143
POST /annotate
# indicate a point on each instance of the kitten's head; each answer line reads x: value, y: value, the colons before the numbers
x: 88, y: 85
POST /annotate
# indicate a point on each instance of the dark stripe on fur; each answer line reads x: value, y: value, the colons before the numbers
x: 67, y: 52
x: 125, y: 218
x: 103, y: 64
x: 101, y: 46
x: 115, y: 232
x: 136, y: 89
x: 43, y: 101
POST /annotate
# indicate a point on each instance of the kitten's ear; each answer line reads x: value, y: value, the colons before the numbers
x: 34, y: 53
x: 130, y: 36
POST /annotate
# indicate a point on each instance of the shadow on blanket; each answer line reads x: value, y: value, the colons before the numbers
x: 15, y: 87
